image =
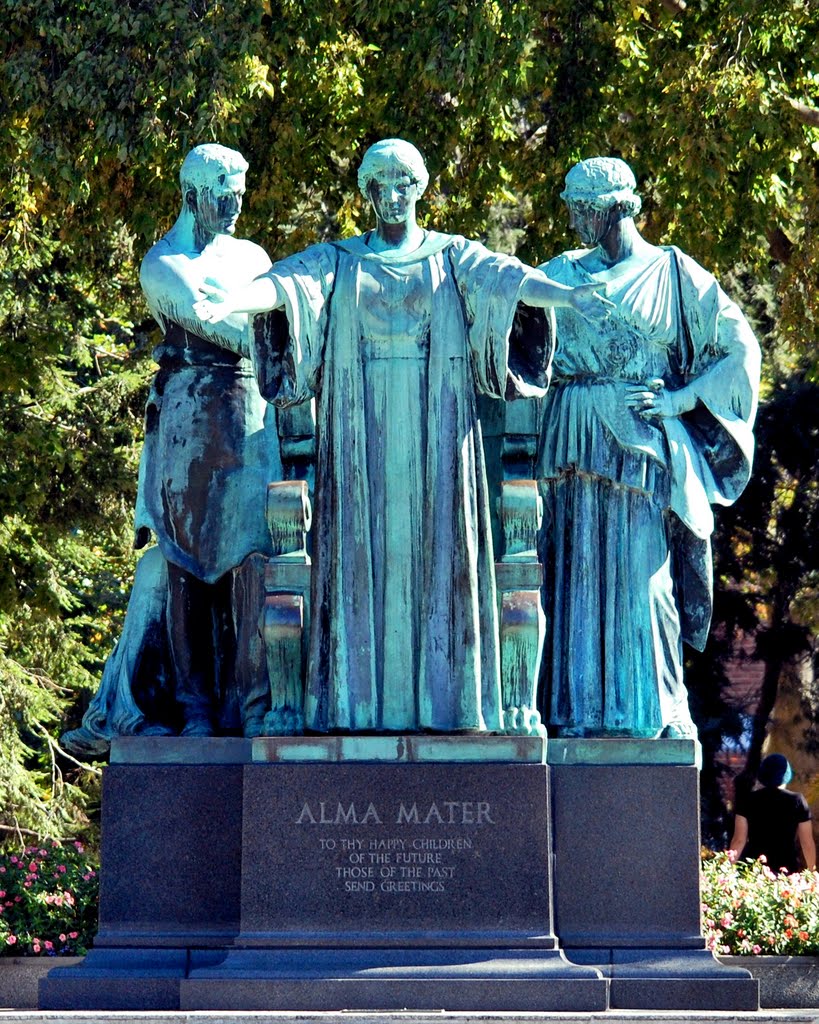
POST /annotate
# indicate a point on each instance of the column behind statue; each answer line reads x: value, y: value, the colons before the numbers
x: 191, y: 658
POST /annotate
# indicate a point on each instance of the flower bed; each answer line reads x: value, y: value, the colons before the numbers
x: 48, y: 901
x: 750, y: 910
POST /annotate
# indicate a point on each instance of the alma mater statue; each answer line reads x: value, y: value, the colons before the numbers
x: 647, y: 424
x: 395, y: 332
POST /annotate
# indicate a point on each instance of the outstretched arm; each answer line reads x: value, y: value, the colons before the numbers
x: 585, y: 299
x: 257, y: 297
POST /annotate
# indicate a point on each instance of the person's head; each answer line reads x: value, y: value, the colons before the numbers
x: 393, y: 177
x: 599, y: 192
x: 213, y: 184
x: 774, y: 771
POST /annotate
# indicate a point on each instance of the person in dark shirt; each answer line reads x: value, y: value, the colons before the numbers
x: 772, y: 821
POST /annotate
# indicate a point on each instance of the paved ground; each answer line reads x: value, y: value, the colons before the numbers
x: 406, y: 1017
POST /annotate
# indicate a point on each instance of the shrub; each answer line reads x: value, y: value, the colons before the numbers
x: 748, y: 909
x: 48, y: 900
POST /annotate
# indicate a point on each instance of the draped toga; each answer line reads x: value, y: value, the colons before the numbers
x: 627, y: 519
x: 404, y: 630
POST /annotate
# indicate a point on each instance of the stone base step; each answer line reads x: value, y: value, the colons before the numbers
x: 10, y: 1016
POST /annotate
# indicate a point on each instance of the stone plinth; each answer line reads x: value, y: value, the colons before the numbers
x: 626, y: 881
x: 376, y: 873
x: 319, y: 873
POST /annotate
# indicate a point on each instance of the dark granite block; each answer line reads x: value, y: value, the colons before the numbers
x: 171, y: 855
x: 684, y: 994
x: 369, y: 979
x: 626, y: 855
x: 396, y: 854
x: 127, y: 979
x: 671, y: 979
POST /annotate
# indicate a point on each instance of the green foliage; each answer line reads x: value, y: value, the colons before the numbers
x: 48, y: 900
x: 715, y: 108
x: 749, y: 910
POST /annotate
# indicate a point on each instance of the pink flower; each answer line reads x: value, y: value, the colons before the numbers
x: 36, y: 947
x: 13, y: 859
x: 756, y: 949
x: 33, y: 866
x: 61, y: 868
x: 727, y: 919
x: 49, y: 945
x: 62, y: 938
x: 73, y: 935
x: 43, y: 853
x: 2, y: 893
x: 2, y: 871
x: 11, y: 939
x: 27, y: 884
x: 78, y: 845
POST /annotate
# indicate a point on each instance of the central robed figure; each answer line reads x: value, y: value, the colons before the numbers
x: 395, y: 332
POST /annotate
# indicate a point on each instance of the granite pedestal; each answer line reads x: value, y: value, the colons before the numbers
x: 313, y: 873
x: 626, y: 876
x: 377, y: 873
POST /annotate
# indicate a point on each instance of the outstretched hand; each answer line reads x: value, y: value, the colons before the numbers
x: 215, y: 306
x: 586, y: 300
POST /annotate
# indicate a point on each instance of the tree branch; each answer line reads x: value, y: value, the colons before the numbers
x: 805, y: 113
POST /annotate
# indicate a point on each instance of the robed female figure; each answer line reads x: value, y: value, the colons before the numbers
x: 395, y: 332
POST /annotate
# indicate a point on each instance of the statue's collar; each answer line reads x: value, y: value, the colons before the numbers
x: 434, y: 242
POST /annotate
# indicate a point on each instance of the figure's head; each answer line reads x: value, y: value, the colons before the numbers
x: 599, y: 192
x: 213, y: 184
x: 774, y: 771
x: 393, y: 177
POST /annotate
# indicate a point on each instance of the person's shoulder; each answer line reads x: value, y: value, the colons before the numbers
x: 565, y: 264
x: 157, y: 262
x: 456, y: 241
x: 689, y: 267
x: 248, y: 253
x: 163, y: 254
x: 799, y: 801
x: 245, y: 246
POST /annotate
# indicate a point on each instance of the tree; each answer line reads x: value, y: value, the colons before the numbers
x: 714, y: 105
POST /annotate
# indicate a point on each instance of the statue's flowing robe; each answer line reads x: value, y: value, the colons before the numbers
x: 404, y: 631
x: 211, y: 448
x: 627, y: 519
